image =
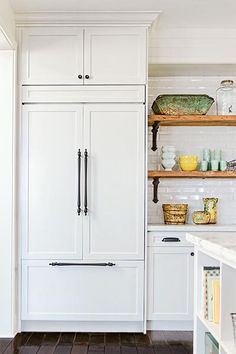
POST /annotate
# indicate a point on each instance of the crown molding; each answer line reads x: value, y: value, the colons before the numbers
x: 87, y: 18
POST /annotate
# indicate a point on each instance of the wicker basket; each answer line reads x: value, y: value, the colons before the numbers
x: 175, y: 214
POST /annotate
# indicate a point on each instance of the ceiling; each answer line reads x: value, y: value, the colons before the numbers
x: 176, y: 13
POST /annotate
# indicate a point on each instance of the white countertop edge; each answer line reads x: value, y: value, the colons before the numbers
x: 190, y: 227
x: 220, y: 246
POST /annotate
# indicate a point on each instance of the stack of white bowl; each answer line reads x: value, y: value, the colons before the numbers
x: 168, y: 157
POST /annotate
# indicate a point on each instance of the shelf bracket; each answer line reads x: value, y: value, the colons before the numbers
x: 155, y: 183
x: 155, y: 128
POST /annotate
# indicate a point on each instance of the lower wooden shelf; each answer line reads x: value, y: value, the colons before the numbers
x: 156, y: 175
x: 191, y: 174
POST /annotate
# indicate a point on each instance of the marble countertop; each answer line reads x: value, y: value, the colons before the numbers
x: 221, y: 245
x: 191, y: 227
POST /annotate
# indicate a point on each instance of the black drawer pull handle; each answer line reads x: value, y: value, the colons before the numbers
x: 87, y: 77
x: 170, y: 239
x: 80, y: 77
x: 192, y: 254
x: 61, y: 264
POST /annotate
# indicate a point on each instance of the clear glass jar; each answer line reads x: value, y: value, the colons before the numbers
x: 226, y: 98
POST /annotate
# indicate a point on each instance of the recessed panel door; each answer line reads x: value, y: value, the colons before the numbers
x: 52, y: 55
x: 115, y: 55
x: 114, y: 140
x: 51, y: 139
x: 170, y: 283
x: 82, y: 292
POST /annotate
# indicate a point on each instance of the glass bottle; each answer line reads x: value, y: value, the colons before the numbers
x: 226, y: 98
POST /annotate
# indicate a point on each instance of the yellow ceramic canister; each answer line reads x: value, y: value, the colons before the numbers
x: 200, y: 217
x: 210, y: 207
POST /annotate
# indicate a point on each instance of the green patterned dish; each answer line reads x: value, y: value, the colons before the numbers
x: 182, y: 104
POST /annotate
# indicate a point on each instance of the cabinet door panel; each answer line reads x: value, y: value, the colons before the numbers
x: 52, y: 55
x: 115, y: 55
x: 170, y: 283
x: 51, y: 138
x: 82, y: 292
x: 114, y: 137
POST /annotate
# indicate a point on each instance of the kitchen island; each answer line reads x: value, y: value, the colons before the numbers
x: 215, y: 251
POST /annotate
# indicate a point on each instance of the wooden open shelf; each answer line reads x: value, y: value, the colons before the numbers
x: 192, y: 174
x: 193, y: 120
x: 156, y: 121
x: 156, y: 175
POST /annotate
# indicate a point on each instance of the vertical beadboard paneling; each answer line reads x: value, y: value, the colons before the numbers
x: 191, y: 140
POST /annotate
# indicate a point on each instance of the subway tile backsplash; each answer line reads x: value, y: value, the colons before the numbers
x: 191, y: 140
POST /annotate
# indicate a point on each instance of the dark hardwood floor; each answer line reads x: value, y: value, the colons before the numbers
x: 155, y: 342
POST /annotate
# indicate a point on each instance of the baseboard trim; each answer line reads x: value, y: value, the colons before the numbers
x: 83, y: 326
x: 170, y: 325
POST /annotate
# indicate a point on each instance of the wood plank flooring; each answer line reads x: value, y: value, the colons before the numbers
x: 155, y: 342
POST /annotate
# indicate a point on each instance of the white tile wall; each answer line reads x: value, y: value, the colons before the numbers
x: 191, y: 140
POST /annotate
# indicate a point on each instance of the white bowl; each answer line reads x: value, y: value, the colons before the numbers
x: 168, y: 155
x: 168, y: 148
x: 168, y: 164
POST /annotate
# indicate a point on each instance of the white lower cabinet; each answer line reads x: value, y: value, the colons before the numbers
x: 170, y: 280
x: 82, y: 292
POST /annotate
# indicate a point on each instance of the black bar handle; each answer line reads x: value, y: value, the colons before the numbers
x: 79, y: 172
x: 170, y: 239
x: 62, y: 264
x: 85, y: 182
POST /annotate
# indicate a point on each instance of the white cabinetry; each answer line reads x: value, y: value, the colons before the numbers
x: 170, y: 281
x: 87, y: 265
x: 113, y: 135
x: 83, y: 173
x: 76, y: 55
x: 84, y: 293
x: 51, y: 136
x: 114, y: 138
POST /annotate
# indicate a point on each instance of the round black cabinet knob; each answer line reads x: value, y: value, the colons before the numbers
x: 86, y: 76
x: 192, y: 254
x: 80, y: 76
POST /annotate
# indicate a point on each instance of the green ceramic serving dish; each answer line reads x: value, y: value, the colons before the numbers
x: 182, y: 104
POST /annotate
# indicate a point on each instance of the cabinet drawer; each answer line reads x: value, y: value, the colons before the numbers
x: 164, y: 239
x: 82, y: 292
x: 91, y: 94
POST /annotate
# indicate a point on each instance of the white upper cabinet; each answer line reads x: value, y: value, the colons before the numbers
x: 51, y: 137
x: 52, y: 55
x: 115, y: 56
x: 75, y: 55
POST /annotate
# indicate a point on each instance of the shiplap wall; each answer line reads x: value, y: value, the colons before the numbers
x: 191, y: 140
x: 192, y: 45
